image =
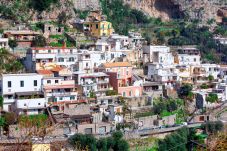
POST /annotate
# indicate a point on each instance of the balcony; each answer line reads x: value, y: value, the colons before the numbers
x: 59, y: 94
x: 103, y: 81
x: 35, y: 103
x: 88, y: 83
x: 62, y: 85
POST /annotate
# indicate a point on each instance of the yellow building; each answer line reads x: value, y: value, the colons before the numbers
x: 98, y: 28
x: 41, y: 147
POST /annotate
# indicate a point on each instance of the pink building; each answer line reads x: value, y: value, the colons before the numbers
x: 121, y: 79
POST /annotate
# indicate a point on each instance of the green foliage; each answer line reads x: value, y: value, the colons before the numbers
x: 161, y: 105
x: 111, y: 92
x: 92, y: 94
x: 8, y: 63
x: 210, y: 78
x: 221, y: 30
x: 144, y: 114
x: 2, y: 121
x: 10, y: 118
x: 84, y: 142
x: 81, y: 14
x: 213, y: 127
x: 13, y: 66
x: 1, y: 101
x: 184, y: 91
x: 41, y: 5
x: 204, y: 86
x: 39, y: 41
x: 33, y: 120
x: 59, y: 37
x: 177, y: 140
x: 212, y: 98
x: 12, y: 43
x: 121, y: 15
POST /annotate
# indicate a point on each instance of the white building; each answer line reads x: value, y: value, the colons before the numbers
x: 47, y: 57
x: 211, y: 69
x: 158, y: 54
x: 4, y: 43
x: 59, y: 89
x: 97, y: 82
x: 23, y: 93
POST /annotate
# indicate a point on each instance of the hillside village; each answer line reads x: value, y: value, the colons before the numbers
x: 86, y: 78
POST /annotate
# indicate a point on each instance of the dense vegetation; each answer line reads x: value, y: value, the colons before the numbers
x: 89, y: 142
x: 184, y: 137
x: 175, y: 32
x: 8, y: 62
x: 41, y: 5
x: 122, y: 16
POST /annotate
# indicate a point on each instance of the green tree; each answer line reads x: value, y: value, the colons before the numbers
x: 80, y: 141
x: 212, y: 97
x: 173, y: 140
x: 210, y: 78
x: 1, y: 103
x: 213, y: 127
x: 39, y: 41
x: 41, y: 5
x: 13, y: 44
x: 102, y: 144
x: 184, y: 91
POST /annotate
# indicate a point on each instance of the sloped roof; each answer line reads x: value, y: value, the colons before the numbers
x: 44, y: 72
x: 117, y: 64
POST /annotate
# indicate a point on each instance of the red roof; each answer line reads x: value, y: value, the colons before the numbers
x: 44, y: 72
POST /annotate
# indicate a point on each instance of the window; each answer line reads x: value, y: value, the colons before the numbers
x: 9, y: 84
x: 71, y: 59
x: 56, y: 81
x: 60, y: 59
x: 194, y: 59
x: 71, y: 51
x: 127, y: 72
x: 24, y: 104
x: 86, y: 64
x: 124, y: 94
x: 39, y: 104
x: 55, y: 99
x: 49, y: 51
x: 130, y: 93
x: 21, y: 83
x: 72, y: 97
x: 60, y: 98
x: 97, y: 26
x: 48, y: 81
x: 35, y: 83
x: 59, y: 50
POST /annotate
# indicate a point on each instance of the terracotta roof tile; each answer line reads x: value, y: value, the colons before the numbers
x: 56, y: 69
x: 117, y: 64
x: 44, y: 72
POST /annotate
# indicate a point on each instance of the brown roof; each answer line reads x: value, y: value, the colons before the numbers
x: 56, y: 69
x: 117, y: 64
x: 44, y: 72
x: 223, y: 66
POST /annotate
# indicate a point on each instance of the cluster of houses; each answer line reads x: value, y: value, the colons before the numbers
x: 90, y: 87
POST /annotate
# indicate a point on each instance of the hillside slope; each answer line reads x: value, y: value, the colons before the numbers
x: 202, y: 10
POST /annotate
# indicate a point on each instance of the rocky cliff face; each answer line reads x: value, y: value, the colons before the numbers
x: 194, y: 9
